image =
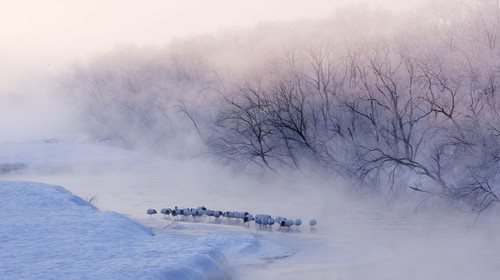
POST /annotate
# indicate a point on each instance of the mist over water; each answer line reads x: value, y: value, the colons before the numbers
x: 356, y: 237
x: 157, y: 158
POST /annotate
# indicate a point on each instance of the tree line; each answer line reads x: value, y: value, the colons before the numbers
x: 395, y: 103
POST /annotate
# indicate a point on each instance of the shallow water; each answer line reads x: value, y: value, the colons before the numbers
x: 355, y: 238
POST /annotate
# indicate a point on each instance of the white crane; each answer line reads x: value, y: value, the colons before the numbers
x: 313, y: 222
x: 151, y: 212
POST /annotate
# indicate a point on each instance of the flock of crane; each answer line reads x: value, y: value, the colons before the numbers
x: 259, y: 219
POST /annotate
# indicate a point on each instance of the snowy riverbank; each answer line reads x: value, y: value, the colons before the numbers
x: 49, y: 233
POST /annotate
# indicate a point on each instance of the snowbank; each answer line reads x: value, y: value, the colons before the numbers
x: 49, y: 233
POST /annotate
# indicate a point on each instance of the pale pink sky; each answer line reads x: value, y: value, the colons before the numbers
x: 42, y: 36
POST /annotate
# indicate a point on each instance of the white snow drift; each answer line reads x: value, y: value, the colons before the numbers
x: 49, y: 233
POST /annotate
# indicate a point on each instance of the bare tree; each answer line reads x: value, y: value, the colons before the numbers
x: 243, y: 130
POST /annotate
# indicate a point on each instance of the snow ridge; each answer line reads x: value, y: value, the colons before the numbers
x: 49, y: 233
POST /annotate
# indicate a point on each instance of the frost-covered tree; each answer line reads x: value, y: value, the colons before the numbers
x: 394, y: 103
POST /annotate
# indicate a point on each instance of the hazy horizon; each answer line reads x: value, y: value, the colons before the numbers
x: 41, y: 38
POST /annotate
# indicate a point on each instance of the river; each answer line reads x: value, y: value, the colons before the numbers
x: 356, y: 237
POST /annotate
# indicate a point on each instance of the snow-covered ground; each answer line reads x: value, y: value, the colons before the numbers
x: 48, y: 233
